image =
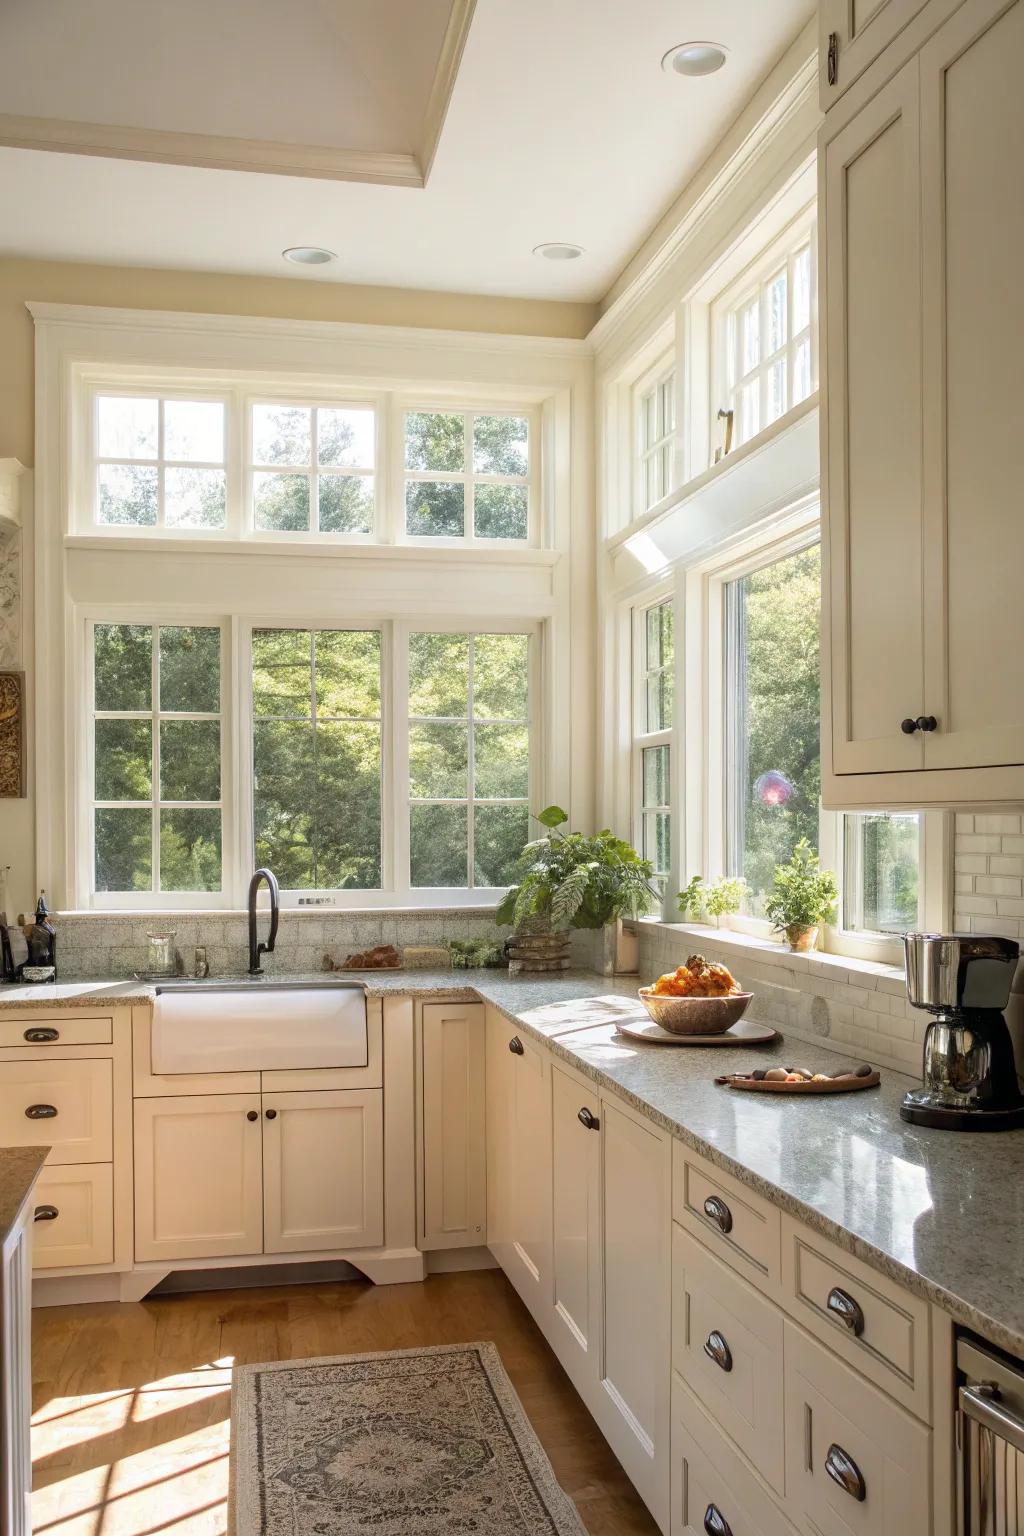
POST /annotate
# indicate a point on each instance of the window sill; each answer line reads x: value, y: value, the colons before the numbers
x: 327, y: 546
x: 869, y: 974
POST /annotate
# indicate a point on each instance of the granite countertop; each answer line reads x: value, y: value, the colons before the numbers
x: 19, y: 1169
x: 942, y: 1213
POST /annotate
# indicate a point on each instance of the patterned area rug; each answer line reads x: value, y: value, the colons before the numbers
x: 411, y: 1442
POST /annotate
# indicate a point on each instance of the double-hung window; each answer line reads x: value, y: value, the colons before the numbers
x: 655, y: 417
x: 653, y: 693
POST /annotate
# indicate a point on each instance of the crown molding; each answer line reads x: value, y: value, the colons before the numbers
x: 450, y: 58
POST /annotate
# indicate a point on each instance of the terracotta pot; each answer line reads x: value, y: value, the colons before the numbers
x: 802, y: 937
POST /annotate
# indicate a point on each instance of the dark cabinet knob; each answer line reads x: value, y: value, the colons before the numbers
x: 908, y: 726
x: 41, y: 1112
x: 45, y: 1213
x: 715, y: 1523
x: 587, y: 1117
x: 926, y: 723
x: 41, y: 1036
x: 846, y: 1310
x: 271, y: 1114
x: 515, y: 1045
x: 253, y: 1114
x: 718, y: 1350
x: 716, y: 1210
x: 842, y: 1469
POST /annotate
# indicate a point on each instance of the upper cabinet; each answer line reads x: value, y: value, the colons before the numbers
x: 853, y: 34
x: 922, y: 455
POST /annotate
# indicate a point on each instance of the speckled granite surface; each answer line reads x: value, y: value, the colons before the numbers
x: 940, y: 1212
x: 19, y: 1169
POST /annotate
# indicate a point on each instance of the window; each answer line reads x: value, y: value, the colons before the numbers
x: 467, y: 475
x: 312, y: 468
x: 159, y: 462
x: 881, y: 868
x: 156, y: 806
x: 316, y: 707
x: 469, y: 757
x: 765, y: 339
x: 655, y: 685
x: 656, y: 426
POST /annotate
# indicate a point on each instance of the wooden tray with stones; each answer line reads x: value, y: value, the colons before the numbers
x: 799, y: 1080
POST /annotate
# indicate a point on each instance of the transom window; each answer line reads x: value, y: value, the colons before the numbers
x: 765, y: 340
x: 159, y: 462
x: 469, y: 757
x: 156, y: 808
x: 313, y: 468
x: 467, y: 475
x: 654, y: 686
x: 656, y: 426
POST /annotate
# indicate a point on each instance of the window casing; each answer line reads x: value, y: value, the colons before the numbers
x: 311, y: 468
x: 467, y: 476
x: 654, y: 414
x: 653, y: 710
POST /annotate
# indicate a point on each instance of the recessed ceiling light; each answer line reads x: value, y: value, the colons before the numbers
x: 558, y: 250
x: 694, y: 59
x: 308, y: 255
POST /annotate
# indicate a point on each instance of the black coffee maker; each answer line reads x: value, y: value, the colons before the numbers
x: 970, y: 1080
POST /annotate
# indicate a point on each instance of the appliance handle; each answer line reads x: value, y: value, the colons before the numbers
x: 978, y: 1404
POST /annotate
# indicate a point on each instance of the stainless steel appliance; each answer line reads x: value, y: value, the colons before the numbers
x: 990, y: 1439
x: 970, y: 1080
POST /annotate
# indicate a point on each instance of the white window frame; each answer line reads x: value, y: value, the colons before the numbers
x: 467, y: 477
x: 314, y: 404
x: 727, y: 381
x: 159, y: 529
x: 658, y: 453
x: 642, y: 739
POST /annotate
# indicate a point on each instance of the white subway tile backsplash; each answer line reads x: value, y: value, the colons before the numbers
x: 975, y: 844
x: 997, y: 885
x: 1000, y: 823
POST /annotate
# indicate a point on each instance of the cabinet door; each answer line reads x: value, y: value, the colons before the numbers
x: 500, y: 1107
x: 74, y: 1221
x: 16, y: 1379
x: 861, y: 29
x: 323, y: 1170
x: 519, y: 1161
x: 65, y: 1105
x: 972, y: 129
x: 575, y: 1224
x: 871, y: 448
x: 633, y: 1406
x: 198, y: 1177
x: 454, y: 1157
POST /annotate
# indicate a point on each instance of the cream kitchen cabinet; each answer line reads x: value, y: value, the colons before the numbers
x: 518, y: 1097
x: 576, y: 1224
x: 323, y: 1171
x: 16, y: 1375
x: 451, y: 1055
x: 853, y: 33
x: 921, y: 444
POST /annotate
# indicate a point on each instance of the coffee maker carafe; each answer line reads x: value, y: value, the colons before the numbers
x: 970, y: 1078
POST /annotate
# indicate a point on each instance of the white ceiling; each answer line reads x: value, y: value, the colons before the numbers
x: 561, y: 126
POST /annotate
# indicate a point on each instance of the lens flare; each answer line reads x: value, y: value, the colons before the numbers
x: 773, y: 788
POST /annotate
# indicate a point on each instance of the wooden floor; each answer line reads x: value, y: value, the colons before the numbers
x: 131, y: 1403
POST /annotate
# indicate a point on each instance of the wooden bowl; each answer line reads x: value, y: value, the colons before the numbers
x: 695, y: 1015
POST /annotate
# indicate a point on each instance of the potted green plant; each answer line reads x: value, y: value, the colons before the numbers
x: 691, y: 900
x: 568, y: 880
x: 803, y: 895
x: 725, y: 897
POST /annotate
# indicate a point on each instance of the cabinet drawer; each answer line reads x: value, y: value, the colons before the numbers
x: 49, y: 1032
x: 727, y: 1347
x: 72, y: 1104
x: 712, y: 1483
x: 737, y: 1224
x: 856, y: 1464
x: 82, y: 1230
x: 870, y: 1321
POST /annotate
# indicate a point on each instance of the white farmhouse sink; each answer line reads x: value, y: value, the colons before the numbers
x: 258, y: 1026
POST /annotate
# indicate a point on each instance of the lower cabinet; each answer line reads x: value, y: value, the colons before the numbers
x: 518, y: 1094
x: 16, y: 1377
x: 225, y: 1175
x: 74, y: 1222
x: 576, y: 1224
x: 454, y: 1170
x: 714, y: 1492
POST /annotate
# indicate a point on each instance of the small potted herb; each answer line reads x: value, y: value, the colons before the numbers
x: 691, y: 900
x: 725, y: 897
x: 803, y: 895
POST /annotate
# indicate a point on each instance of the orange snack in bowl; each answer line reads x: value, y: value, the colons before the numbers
x: 697, y: 978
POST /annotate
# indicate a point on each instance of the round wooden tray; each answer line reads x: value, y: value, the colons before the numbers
x: 848, y: 1084
x: 743, y: 1032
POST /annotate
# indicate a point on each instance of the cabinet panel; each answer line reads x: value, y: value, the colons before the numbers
x: 82, y: 1231
x: 499, y: 1098
x: 80, y: 1093
x: 198, y: 1177
x: 323, y: 1170
x: 972, y: 127
x: 16, y: 1379
x: 55, y: 1032
x: 862, y: 29
x: 710, y: 1477
x: 519, y: 1161
x: 872, y: 431
x: 727, y: 1217
x: 454, y: 1133
x: 575, y: 1223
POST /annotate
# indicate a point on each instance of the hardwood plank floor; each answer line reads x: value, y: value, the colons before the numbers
x: 131, y: 1403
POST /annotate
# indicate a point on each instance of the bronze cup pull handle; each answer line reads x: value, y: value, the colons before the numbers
x: 716, y: 1210
x: 844, y: 1471
x: 41, y: 1112
x: 718, y: 1350
x: 845, y: 1310
x: 515, y: 1045
x: 715, y: 1523
x: 39, y: 1036
x: 45, y: 1213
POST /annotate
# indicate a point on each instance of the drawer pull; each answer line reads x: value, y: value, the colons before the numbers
x: 718, y: 1350
x: 716, y: 1210
x: 832, y: 63
x: 845, y: 1310
x: 39, y: 1036
x: 41, y: 1112
x: 715, y: 1523
x: 515, y: 1045
x: 587, y: 1117
x: 45, y: 1213
x: 842, y: 1469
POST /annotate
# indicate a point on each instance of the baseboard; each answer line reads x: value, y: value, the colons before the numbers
x: 74, y: 1290
x: 449, y: 1261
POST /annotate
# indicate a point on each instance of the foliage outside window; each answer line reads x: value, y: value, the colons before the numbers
x: 765, y: 336
x: 159, y: 462
x: 656, y: 682
x: 881, y: 872
x: 469, y: 758
x: 313, y: 468
x: 656, y: 427
x: 467, y: 475
x: 316, y: 705
x: 157, y: 809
